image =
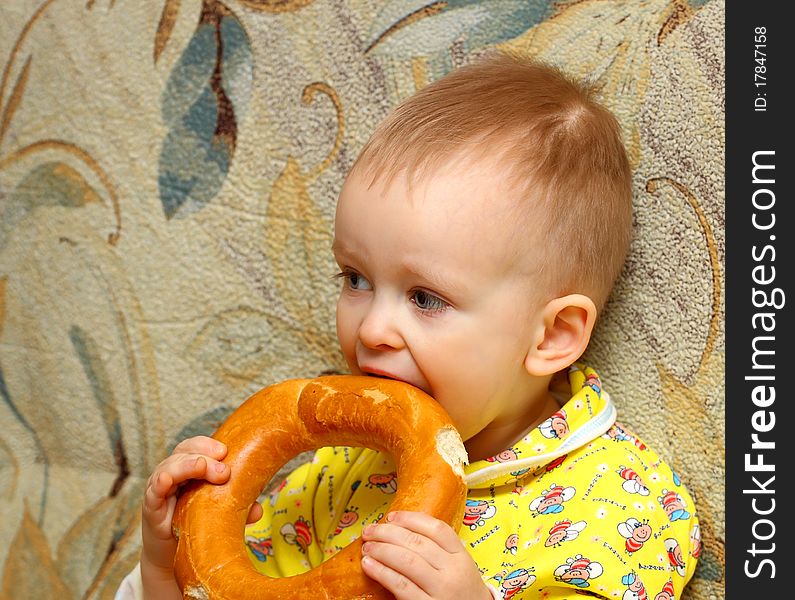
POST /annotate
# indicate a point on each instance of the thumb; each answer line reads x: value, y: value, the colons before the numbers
x: 254, y: 513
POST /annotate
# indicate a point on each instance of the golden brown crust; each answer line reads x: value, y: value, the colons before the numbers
x: 282, y: 421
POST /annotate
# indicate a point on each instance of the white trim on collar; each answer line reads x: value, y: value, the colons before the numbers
x: 596, y: 426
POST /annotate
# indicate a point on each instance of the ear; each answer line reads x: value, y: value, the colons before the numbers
x: 564, y: 331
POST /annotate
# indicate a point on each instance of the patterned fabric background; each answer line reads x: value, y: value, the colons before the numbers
x: 168, y: 175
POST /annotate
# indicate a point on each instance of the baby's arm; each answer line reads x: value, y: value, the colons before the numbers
x: 195, y: 458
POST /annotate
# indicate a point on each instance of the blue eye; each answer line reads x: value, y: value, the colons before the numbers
x: 427, y: 302
x: 354, y: 281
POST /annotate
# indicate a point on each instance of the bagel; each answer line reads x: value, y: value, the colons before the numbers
x: 283, y: 420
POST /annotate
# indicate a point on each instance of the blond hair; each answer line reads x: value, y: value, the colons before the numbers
x: 561, y: 149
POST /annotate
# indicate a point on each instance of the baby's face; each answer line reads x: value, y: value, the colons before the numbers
x: 436, y: 293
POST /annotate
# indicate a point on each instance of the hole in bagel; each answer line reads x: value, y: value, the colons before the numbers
x: 289, y: 526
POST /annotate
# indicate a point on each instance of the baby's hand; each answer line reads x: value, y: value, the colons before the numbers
x: 194, y: 458
x: 414, y: 555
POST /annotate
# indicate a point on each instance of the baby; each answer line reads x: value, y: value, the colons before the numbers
x: 478, y: 235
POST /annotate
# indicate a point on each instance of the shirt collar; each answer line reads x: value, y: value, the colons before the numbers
x: 587, y: 414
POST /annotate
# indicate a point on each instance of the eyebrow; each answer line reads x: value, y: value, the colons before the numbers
x: 338, y: 247
x: 435, y: 279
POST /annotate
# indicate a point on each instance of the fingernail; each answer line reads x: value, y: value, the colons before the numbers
x: 390, y: 517
x: 366, y: 547
x: 368, y: 530
x: 220, y: 467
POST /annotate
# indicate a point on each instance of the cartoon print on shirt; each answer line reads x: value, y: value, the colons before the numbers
x: 695, y: 541
x: 386, y: 482
x: 578, y: 571
x: 476, y: 512
x: 511, y: 583
x: 555, y: 426
x: 675, y: 556
x: 504, y: 456
x: 552, y: 465
x: 262, y: 548
x: 632, y: 484
x: 592, y: 381
x: 635, y: 588
x: 551, y: 500
x: 667, y: 593
x: 348, y: 518
x: 674, y: 505
x: 618, y: 434
x: 298, y: 534
x: 512, y: 543
x: 636, y: 533
x: 508, y: 455
x: 564, y: 531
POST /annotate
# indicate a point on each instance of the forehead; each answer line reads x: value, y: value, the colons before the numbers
x: 464, y: 200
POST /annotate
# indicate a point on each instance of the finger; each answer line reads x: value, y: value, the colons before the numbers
x: 158, y: 507
x: 201, y: 444
x: 398, y: 536
x: 204, y: 467
x: 254, y: 513
x: 429, y: 527
x: 193, y: 466
x: 412, y: 565
x: 400, y: 585
x: 162, y: 484
x: 156, y: 491
x: 177, y: 469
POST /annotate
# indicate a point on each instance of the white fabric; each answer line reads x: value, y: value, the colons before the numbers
x: 132, y: 587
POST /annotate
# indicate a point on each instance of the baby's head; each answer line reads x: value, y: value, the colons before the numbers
x: 478, y: 233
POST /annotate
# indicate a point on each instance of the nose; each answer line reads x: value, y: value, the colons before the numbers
x: 380, y: 327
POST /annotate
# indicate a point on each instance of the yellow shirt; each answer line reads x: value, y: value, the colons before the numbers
x: 579, y: 503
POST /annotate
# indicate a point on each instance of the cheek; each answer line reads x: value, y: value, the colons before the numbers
x: 346, y: 330
x: 466, y: 362
x: 463, y: 385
